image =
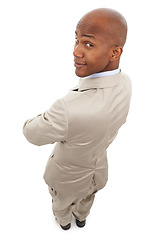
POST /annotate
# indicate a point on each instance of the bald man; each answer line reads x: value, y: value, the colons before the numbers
x: 85, y: 121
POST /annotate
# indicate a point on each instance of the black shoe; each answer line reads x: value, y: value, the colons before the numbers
x: 80, y: 224
x: 66, y: 227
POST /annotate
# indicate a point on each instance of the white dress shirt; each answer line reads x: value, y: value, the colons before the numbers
x: 104, y: 74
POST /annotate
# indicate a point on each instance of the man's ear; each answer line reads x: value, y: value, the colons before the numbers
x: 116, y: 53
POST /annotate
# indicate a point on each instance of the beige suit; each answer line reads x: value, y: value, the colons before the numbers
x: 83, y: 123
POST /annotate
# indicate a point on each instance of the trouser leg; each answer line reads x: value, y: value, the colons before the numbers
x: 82, y: 208
x: 63, y: 217
x: 62, y: 208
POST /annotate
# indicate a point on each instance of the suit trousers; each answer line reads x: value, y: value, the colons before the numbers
x: 63, y: 208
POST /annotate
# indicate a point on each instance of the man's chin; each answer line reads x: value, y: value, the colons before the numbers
x: 80, y: 74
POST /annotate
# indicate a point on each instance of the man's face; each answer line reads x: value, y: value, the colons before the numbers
x: 92, y: 49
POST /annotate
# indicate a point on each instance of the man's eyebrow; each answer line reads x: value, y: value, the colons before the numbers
x: 86, y: 35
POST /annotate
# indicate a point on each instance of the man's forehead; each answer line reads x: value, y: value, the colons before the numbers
x: 104, y: 24
x: 90, y: 28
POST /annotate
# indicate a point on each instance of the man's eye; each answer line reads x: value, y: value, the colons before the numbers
x: 76, y: 41
x: 89, y: 45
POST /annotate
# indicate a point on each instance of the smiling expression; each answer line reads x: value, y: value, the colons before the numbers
x: 100, y: 36
x: 91, y: 51
x: 93, y: 47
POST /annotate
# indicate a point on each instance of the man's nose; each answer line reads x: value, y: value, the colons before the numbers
x: 78, y: 52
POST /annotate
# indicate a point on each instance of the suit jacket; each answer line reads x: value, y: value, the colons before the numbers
x: 83, y: 123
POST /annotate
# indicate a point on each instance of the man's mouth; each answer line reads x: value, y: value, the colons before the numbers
x: 79, y: 65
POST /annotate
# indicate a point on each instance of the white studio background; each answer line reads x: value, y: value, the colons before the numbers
x: 36, y: 68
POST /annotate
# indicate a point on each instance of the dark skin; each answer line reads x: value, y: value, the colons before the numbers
x: 100, y: 37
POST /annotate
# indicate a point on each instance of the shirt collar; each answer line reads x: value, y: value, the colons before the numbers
x: 104, y: 74
x: 103, y: 80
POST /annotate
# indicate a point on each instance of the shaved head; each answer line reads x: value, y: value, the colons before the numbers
x: 108, y: 22
x: 100, y: 37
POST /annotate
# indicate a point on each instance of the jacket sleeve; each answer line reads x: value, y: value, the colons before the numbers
x: 48, y: 127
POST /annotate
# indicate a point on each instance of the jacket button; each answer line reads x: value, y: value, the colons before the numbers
x: 94, y: 183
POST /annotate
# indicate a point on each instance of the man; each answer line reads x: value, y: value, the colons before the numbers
x: 87, y: 119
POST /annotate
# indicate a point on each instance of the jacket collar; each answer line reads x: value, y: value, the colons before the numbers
x: 101, y: 82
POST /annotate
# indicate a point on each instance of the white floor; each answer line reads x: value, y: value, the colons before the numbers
x: 36, y: 45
